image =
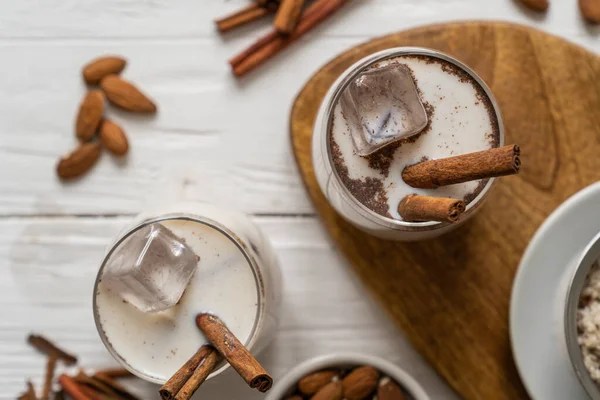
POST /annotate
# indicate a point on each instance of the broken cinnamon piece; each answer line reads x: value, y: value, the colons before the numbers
x: 93, y: 394
x: 29, y: 394
x: 242, y: 17
x: 317, y: 12
x: 114, y: 372
x: 178, y: 380
x: 45, y: 346
x: 464, y: 168
x: 50, y: 367
x: 206, y: 367
x: 416, y: 208
x: 288, y: 15
x: 113, y: 386
x: 72, y: 388
x: 232, y: 350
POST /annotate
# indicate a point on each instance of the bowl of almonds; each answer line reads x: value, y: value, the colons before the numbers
x: 347, y: 376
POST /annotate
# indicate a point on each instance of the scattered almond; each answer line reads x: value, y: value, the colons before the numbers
x: 123, y: 94
x: 331, y: 391
x: 360, y: 383
x: 113, y: 138
x: 79, y: 161
x: 311, y: 384
x: 89, y: 115
x: 389, y: 390
x: 536, y: 5
x: 590, y: 9
x: 97, y: 69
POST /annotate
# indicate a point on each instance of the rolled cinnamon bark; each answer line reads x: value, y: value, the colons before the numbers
x: 288, y: 15
x: 234, y: 352
x: 169, y: 390
x: 464, y: 168
x: 244, y: 16
x: 416, y: 208
x: 206, y: 367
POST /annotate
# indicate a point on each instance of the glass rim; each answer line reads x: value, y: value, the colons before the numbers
x: 182, y: 217
x: 352, y: 73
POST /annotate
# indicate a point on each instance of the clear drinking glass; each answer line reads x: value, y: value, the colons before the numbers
x: 338, y: 195
x: 242, y: 240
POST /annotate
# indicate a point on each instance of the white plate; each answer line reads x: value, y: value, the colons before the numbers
x: 535, y: 310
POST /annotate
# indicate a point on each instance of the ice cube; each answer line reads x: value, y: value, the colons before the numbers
x: 382, y: 106
x: 151, y: 268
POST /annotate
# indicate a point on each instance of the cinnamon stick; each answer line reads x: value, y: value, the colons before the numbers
x: 45, y: 346
x: 169, y: 390
x: 50, y: 367
x: 467, y: 167
x: 242, y: 17
x: 234, y: 352
x: 427, y: 208
x: 288, y: 15
x: 72, y: 388
x: 317, y: 12
x: 114, y: 372
x: 206, y: 367
x: 268, y: 38
x: 92, y: 394
x: 112, y: 387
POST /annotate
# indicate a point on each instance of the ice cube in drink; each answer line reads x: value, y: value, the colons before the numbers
x: 382, y: 106
x: 151, y: 268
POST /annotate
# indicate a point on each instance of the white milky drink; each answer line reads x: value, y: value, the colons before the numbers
x: 366, y: 189
x: 236, y: 278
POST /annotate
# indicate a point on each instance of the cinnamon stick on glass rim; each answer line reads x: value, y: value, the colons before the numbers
x: 206, y: 367
x: 234, y: 352
x: 317, y: 12
x: 171, y: 388
x: 288, y: 15
x: 416, y: 208
x: 464, y: 168
x: 244, y: 16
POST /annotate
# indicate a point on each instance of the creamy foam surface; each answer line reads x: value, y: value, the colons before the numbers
x: 158, y: 344
x: 461, y: 121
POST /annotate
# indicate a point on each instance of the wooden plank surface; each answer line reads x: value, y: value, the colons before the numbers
x: 215, y: 139
x: 451, y: 294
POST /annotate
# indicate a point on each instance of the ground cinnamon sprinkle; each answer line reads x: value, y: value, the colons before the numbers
x: 369, y: 191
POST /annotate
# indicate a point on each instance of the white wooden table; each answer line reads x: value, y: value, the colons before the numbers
x: 215, y: 139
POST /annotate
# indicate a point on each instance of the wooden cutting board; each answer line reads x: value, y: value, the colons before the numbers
x: 451, y: 295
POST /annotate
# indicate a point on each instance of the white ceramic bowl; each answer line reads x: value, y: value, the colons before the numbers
x: 282, y: 385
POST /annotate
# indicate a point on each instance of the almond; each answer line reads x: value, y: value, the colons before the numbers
x: 536, y: 5
x: 79, y: 161
x: 590, y: 9
x: 360, y: 383
x: 123, y: 94
x: 89, y: 115
x: 389, y: 390
x: 311, y: 384
x: 113, y: 138
x: 331, y: 391
x: 95, y: 70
